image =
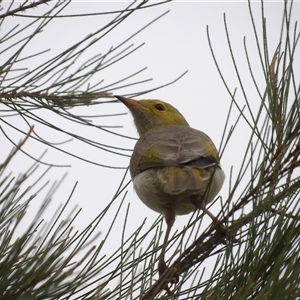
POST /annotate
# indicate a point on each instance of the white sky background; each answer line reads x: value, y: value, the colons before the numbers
x: 175, y: 43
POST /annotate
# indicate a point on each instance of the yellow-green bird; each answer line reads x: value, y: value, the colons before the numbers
x: 174, y: 168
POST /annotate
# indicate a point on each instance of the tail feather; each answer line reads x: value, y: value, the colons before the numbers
x: 177, y: 180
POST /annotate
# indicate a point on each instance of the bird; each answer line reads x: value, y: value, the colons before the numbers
x: 175, y: 168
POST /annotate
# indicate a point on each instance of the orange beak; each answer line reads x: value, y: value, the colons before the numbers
x: 130, y: 103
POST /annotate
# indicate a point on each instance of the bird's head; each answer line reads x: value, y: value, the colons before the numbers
x: 148, y: 114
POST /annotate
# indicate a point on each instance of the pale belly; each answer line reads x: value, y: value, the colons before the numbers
x: 200, y: 188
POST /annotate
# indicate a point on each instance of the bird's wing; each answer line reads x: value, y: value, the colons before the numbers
x: 172, y: 146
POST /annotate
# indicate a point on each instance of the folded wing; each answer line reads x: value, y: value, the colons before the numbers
x: 173, y: 146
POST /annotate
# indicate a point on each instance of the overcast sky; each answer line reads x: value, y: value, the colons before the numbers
x: 175, y: 43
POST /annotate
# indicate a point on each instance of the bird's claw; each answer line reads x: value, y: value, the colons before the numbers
x: 162, y: 267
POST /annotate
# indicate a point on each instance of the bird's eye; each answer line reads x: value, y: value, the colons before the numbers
x: 159, y: 106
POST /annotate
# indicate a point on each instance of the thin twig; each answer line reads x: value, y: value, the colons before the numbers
x: 16, y: 149
x: 23, y: 7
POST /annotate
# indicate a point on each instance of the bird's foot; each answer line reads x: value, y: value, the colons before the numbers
x: 220, y: 227
x: 174, y: 278
x: 224, y: 231
x: 162, y: 267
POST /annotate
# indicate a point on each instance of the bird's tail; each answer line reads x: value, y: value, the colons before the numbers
x: 177, y: 180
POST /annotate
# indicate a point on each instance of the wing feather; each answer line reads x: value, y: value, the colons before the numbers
x: 173, y: 146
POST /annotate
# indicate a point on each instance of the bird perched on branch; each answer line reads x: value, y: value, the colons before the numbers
x: 174, y: 168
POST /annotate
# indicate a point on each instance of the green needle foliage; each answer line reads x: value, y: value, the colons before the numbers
x: 255, y: 256
x: 56, y: 85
